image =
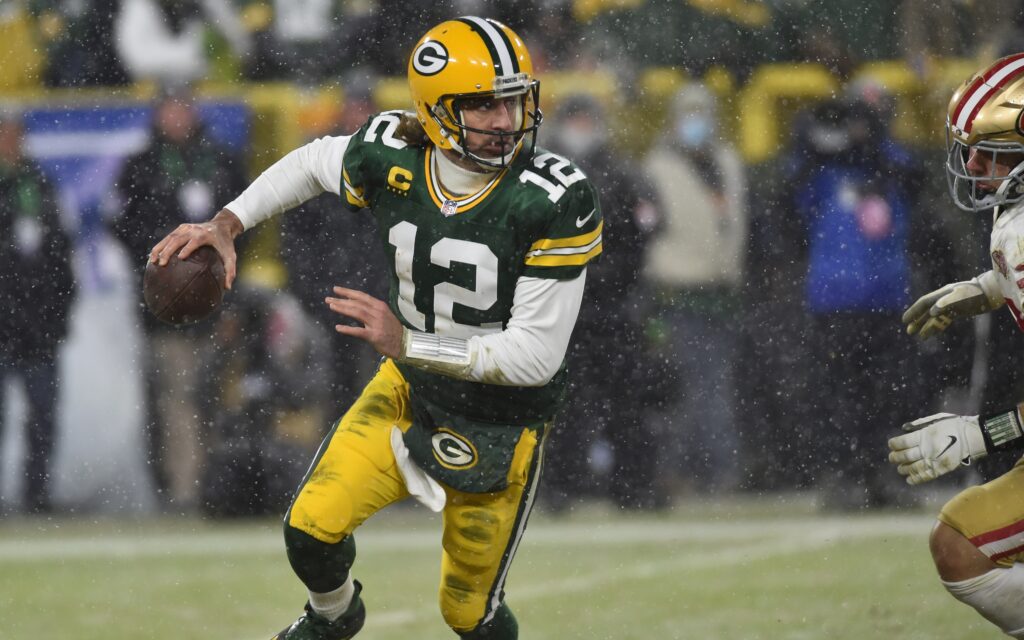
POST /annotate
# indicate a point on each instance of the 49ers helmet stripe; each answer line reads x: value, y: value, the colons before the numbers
x: 505, y: 63
x: 979, y: 92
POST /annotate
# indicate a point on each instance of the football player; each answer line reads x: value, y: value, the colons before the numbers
x: 978, y: 541
x: 488, y: 238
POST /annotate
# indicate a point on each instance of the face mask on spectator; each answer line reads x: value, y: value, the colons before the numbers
x: 577, y: 141
x: 694, y: 131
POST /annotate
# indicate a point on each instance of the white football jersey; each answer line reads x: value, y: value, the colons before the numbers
x: 1007, y: 252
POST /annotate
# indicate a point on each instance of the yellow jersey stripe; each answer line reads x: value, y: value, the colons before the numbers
x: 575, y: 241
x: 430, y: 177
x: 353, y: 200
x: 570, y: 260
x: 356, y: 191
x: 352, y: 194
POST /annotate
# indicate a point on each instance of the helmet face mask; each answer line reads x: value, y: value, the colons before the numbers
x: 472, y: 59
x: 985, y: 139
x: 450, y: 111
x: 978, y: 192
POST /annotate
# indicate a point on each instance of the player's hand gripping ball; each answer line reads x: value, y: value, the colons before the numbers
x: 185, y: 291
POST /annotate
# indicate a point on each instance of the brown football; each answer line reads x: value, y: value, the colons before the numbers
x: 185, y: 291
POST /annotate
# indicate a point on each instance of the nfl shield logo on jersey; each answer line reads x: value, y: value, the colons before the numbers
x: 449, y: 208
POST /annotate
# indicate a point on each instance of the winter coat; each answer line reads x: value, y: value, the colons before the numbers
x: 36, y: 283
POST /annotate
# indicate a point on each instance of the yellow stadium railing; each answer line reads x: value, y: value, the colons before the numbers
x: 765, y: 106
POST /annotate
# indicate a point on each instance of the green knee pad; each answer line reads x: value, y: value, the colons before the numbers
x: 503, y: 626
x: 321, y: 566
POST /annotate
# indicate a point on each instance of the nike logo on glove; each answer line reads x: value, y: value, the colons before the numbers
x: 952, y: 441
x: 582, y: 221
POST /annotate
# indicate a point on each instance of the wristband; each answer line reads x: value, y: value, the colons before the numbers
x: 431, y: 352
x: 1002, y: 431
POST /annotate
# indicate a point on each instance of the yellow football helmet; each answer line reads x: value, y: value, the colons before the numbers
x: 471, y: 58
x: 986, y: 114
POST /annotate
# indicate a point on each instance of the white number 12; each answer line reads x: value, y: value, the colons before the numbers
x: 446, y: 294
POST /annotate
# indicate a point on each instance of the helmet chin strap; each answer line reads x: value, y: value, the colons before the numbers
x: 1011, y: 180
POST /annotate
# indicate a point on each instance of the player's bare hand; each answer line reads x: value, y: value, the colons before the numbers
x: 380, y: 327
x: 219, y: 233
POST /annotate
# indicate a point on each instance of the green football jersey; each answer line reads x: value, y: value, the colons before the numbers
x: 455, y: 261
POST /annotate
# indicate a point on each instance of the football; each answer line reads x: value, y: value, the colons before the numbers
x: 185, y: 291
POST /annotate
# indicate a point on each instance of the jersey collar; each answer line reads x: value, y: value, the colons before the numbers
x: 449, y: 203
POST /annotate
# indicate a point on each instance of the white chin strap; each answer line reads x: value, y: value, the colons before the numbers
x: 998, y: 198
x: 486, y: 163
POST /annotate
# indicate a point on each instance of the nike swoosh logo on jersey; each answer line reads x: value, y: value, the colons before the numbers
x: 952, y: 441
x: 582, y: 221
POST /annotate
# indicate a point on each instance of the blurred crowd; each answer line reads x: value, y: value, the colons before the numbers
x: 741, y: 332
x: 80, y: 43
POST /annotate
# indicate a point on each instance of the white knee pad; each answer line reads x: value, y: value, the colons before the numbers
x: 997, y: 595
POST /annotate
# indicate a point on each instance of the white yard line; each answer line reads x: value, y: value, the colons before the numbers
x: 50, y: 546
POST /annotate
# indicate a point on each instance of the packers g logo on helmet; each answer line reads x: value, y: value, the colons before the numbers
x: 985, y: 115
x: 429, y: 58
x: 467, y: 58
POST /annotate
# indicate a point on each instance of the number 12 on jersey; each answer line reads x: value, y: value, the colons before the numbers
x: 446, y: 295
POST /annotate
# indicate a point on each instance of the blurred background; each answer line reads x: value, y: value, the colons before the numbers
x: 771, y: 174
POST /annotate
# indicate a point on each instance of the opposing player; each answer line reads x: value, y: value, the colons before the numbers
x: 488, y: 239
x: 978, y: 541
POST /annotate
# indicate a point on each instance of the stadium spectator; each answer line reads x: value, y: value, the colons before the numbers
x: 37, y: 288
x: 603, y: 409
x: 80, y: 44
x: 166, y: 40
x: 19, y: 47
x: 303, y: 42
x: 323, y: 247
x: 851, y: 186
x: 694, y: 269
x: 177, y: 179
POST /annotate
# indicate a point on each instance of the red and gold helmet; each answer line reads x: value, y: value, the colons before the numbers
x: 471, y: 58
x: 986, y: 114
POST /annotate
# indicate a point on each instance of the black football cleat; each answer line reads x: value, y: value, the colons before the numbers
x: 313, y: 626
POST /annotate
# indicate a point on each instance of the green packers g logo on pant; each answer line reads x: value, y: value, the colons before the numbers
x: 452, y: 450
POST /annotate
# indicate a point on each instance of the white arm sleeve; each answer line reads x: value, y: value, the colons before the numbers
x: 530, y: 350
x: 302, y: 174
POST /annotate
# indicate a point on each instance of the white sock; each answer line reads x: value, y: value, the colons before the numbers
x: 997, y: 596
x: 333, y: 603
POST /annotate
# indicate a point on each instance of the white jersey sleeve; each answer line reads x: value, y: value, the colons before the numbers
x: 527, y: 353
x: 302, y: 174
x: 533, y: 345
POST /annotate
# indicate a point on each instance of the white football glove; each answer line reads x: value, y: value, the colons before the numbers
x: 936, y: 445
x: 935, y: 311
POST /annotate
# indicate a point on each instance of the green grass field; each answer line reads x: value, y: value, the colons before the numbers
x: 768, y: 568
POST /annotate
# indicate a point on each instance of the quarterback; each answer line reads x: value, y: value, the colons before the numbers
x: 488, y: 238
x: 978, y: 542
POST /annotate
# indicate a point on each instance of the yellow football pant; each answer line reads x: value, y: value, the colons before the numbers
x: 355, y: 475
x: 991, y: 516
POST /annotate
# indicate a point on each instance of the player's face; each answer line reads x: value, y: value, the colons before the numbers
x: 984, y: 163
x: 491, y: 114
